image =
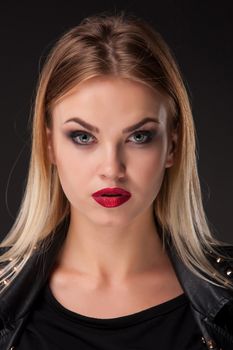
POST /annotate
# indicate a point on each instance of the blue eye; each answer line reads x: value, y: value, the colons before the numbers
x: 144, y: 136
x: 74, y: 135
x: 141, y: 136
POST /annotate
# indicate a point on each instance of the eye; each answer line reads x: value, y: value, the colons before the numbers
x: 144, y: 136
x: 141, y: 137
x: 74, y: 135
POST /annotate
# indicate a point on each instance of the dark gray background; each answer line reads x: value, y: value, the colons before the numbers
x: 200, y: 34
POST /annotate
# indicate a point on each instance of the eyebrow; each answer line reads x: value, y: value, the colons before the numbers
x: 95, y: 129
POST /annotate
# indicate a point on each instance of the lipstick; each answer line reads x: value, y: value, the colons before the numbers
x: 111, y: 197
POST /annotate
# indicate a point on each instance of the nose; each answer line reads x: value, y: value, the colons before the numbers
x: 112, y: 165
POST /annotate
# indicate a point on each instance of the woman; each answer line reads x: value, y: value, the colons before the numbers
x: 111, y: 248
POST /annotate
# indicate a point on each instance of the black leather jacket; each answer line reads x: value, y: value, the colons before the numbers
x: 212, y: 306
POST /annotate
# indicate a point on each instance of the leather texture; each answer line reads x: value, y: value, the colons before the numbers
x: 212, y: 306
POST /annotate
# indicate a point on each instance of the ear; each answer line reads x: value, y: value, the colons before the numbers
x: 171, y: 149
x: 50, y: 146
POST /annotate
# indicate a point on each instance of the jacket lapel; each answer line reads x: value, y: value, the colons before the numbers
x: 205, y: 297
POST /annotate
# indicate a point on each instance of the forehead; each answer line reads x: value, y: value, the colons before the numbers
x: 100, y: 97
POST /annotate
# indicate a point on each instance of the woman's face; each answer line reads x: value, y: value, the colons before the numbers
x: 108, y: 155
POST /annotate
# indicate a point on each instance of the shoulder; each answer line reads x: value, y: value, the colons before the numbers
x: 223, y: 259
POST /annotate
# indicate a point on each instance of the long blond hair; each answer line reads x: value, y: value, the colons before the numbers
x: 124, y: 46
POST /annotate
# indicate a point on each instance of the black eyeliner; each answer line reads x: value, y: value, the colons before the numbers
x: 150, y: 133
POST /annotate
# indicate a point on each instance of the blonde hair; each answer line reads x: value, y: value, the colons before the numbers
x: 123, y: 46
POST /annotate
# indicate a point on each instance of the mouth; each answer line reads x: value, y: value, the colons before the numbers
x: 111, y: 200
x: 112, y: 192
x: 111, y: 195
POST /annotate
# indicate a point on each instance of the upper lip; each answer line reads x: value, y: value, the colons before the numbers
x: 112, y: 190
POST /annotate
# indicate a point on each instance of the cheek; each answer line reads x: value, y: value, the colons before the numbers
x: 153, y: 168
x: 149, y: 172
x: 72, y: 170
x: 152, y: 161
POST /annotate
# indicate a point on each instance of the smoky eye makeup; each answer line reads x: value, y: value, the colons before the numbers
x: 139, y: 137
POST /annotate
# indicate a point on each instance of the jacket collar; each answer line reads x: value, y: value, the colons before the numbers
x: 16, y: 301
x: 205, y: 297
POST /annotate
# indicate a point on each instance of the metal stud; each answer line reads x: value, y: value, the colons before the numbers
x: 229, y: 272
x: 203, y: 340
x: 219, y: 260
x: 211, y: 344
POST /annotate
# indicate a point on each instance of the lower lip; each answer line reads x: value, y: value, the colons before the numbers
x: 110, y: 202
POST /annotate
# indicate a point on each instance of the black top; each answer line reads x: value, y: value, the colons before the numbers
x: 166, y: 326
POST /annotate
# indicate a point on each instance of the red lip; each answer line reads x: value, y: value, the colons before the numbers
x: 119, y: 197
x: 113, y: 190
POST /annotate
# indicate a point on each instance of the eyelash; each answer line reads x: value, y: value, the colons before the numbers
x: 150, y: 134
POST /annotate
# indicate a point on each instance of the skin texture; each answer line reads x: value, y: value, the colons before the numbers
x: 108, y: 247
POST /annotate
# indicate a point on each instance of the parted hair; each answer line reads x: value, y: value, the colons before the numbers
x: 121, y: 45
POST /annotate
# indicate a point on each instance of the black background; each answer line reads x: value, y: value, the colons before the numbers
x: 200, y: 34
